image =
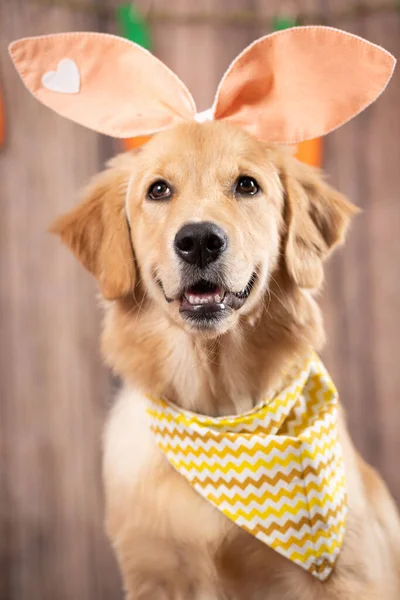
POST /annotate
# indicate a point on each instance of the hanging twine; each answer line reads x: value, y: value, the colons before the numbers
x: 235, y: 18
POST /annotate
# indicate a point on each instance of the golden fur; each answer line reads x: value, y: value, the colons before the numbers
x: 170, y: 543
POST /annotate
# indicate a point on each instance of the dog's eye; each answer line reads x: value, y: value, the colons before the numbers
x: 246, y: 186
x: 159, y: 190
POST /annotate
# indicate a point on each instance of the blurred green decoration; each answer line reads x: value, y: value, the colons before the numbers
x: 134, y: 27
x: 309, y: 151
x: 279, y: 23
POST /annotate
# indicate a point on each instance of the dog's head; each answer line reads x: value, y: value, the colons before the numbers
x: 201, y: 219
x: 204, y: 215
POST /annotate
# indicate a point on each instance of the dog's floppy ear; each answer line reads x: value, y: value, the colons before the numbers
x: 317, y: 218
x: 97, y: 231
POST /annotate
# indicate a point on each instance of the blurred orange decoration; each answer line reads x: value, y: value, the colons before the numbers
x: 310, y: 152
x: 132, y: 143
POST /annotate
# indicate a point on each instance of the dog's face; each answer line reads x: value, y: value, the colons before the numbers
x: 206, y: 214
x: 205, y: 207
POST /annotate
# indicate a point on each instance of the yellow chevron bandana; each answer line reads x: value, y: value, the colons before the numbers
x: 276, y: 471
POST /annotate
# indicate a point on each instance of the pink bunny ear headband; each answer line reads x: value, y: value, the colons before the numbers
x: 285, y: 88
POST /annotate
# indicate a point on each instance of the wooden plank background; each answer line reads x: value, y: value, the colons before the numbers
x: 54, y: 391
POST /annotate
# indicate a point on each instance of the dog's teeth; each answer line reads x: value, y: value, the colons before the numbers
x: 204, y: 299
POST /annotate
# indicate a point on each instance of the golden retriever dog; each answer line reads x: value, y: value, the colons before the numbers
x: 208, y: 247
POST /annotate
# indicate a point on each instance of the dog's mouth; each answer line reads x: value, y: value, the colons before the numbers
x: 206, y: 302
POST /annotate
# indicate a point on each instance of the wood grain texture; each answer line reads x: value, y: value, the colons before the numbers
x: 54, y: 391
x: 53, y: 388
x: 362, y: 297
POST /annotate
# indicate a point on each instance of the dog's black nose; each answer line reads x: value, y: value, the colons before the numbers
x: 200, y: 243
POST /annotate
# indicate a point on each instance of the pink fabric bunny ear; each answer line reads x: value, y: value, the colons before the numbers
x: 102, y: 81
x: 285, y: 88
x: 302, y: 83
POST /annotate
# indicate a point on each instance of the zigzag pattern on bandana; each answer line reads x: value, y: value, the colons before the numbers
x: 276, y: 471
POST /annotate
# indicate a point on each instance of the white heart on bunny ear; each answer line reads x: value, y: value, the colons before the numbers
x: 65, y: 80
